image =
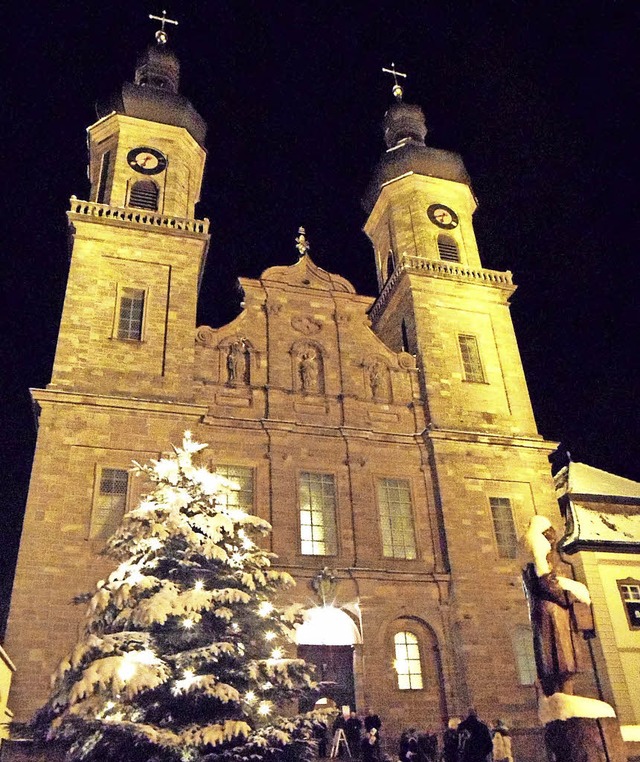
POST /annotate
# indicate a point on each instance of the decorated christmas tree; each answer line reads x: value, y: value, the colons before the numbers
x: 183, y: 655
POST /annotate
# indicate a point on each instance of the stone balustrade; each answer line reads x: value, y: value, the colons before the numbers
x: 440, y: 269
x: 138, y: 216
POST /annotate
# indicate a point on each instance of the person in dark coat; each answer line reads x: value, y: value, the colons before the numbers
x: 427, y: 744
x: 450, y: 741
x: 372, y: 721
x: 353, y: 731
x: 474, y: 739
x: 408, y: 746
x: 370, y: 746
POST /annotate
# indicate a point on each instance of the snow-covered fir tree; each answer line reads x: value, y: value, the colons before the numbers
x: 183, y: 655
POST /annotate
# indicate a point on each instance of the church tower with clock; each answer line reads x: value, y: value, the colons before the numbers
x: 389, y: 441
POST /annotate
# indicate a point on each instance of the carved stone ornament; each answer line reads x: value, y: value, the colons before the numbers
x: 406, y: 361
x: 205, y: 336
x: 305, y: 324
x: 325, y: 584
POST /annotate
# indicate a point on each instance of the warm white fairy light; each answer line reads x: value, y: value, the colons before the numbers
x: 131, y: 660
x: 188, y: 679
x: 265, y: 608
x: 277, y: 653
x: 265, y: 708
x: 109, y: 705
x: 236, y: 559
x: 250, y: 697
x: 270, y: 635
x: 199, y: 585
x: 188, y: 623
x: 247, y: 543
x: 235, y: 627
x: 267, y: 686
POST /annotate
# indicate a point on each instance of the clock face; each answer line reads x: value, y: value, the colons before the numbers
x: 442, y: 216
x: 147, y: 161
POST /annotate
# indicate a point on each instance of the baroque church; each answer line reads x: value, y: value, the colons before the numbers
x: 389, y: 440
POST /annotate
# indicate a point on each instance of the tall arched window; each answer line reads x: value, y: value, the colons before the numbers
x: 448, y: 248
x: 407, y: 663
x: 144, y: 195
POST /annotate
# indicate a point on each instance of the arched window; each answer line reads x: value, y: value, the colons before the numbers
x: 407, y: 663
x: 448, y: 248
x: 522, y: 641
x: 144, y: 195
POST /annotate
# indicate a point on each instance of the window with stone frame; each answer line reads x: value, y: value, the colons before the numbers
x: 470, y: 354
x: 407, y: 662
x: 318, y: 531
x: 396, y: 519
x: 522, y: 642
x: 130, y: 313
x: 504, y: 527
x: 110, y: 502
x: 241, y: 498
x: 630, y: 593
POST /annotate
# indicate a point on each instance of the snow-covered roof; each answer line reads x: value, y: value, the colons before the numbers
x: 580, y: 479
x: 590, y: 525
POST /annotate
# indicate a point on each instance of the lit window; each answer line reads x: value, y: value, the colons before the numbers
x: 243, y: 497
x: 448, y: 249
x: 110, y: 502
x: 130, y: 311
x: 317, y: 515
x: 407, y: 662
x: 504, y: 527
x: 522, y: 641
x: 396, y: 520
x: 144, y: 195
x: 470, y: 358
x: 630, y: 594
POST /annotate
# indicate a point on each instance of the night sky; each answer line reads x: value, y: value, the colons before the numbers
x: 539, y: 98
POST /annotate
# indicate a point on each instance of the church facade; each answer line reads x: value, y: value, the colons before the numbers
x: 390, y: 441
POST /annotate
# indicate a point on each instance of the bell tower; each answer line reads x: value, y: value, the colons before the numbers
x: 137, y: 251
x: 436, y: 299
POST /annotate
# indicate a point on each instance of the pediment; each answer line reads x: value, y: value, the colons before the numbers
x: 306, y: 274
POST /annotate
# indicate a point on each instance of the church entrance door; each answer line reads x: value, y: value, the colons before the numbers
x: 334, y: 674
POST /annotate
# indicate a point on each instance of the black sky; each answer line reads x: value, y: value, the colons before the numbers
x: 539, y: 98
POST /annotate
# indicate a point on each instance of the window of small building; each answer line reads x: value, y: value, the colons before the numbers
x: 396, y: 519
x: 318, y: 532
x: 470, y: 355
x: 144, y: 195
x: 130, y: 313
x: 110, y: 502
x: 407, y: 662
x: 448, y: 248
x: 630, y: 593
x: 241, y: 498
x: 522, y: 641
x: 504, y: 527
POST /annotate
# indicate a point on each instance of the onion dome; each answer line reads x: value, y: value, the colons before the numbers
x: 405, y: 131
x: 154, y: 96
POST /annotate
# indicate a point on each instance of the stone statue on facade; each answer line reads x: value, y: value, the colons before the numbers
x: 235, y: 362
x: 308, y: 369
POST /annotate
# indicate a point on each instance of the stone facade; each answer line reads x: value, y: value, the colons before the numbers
x: 311, y: 378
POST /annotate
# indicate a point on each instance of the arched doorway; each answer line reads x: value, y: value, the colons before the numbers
x: 327, y: 639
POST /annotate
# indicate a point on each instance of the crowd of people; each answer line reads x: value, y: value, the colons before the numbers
x: 468, y: 740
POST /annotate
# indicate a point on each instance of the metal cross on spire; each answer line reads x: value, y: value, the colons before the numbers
x: 161, y: 35
x: 397, y: 89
